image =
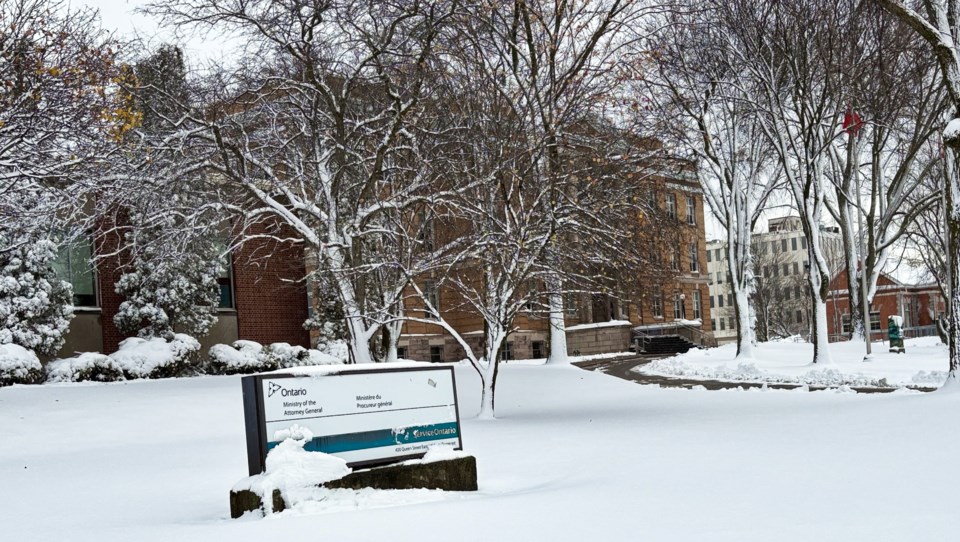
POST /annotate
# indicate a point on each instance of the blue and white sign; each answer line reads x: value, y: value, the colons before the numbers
x: 365, y: 416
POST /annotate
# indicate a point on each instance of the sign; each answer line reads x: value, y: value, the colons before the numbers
x: 365, y: 416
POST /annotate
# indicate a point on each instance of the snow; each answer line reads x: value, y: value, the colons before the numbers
x: 611, y: 323
x: 18, y: 363
x: 573, y: 455
x: 248, y: 356
x: 83, y: 367
x: 952, y: 131
x: 295, y: 472
x: 141, y: 358
x: 925, y: 364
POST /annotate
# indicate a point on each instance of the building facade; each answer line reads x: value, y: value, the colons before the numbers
x: 781, y: 262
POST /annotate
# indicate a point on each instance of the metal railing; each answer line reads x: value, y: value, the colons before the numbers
x: 643, y: 335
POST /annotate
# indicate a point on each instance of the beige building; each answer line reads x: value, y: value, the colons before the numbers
x: 780, y: 303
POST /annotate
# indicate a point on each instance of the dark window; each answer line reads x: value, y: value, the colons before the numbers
x: 711, y: 302
x: 730, y: 300
x: 402, y: 352
x: 786, y: 293
x: 672, y: 205
x: 709, y: 256
x: 874, y: 321
x: 694, y: 258
x: 678, y: 308
x: 796, y: 268
x: 436, y: 354
x: 657, y: 302
x: 799, y: 316
x: 722, y: 327
x: 786, y: 270
x: 803, y: 242
x: 507, y: 353
x: 720, y: 300
x: 696, y: 305
x: 538, y: 349
x: 783, y: 245
x: 713, y: 323
x: 74, y: 264
x: 691, y: 210
x: 225, y: 280
x: 793, y: 244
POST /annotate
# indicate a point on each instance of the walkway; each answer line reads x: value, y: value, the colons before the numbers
x: 622, y: 368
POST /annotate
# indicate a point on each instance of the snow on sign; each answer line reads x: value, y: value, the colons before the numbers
x: 365, y: 416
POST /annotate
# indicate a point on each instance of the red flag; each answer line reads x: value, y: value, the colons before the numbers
x: 852, y: 123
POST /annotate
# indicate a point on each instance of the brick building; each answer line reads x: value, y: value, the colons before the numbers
x: 920, y: 305
x: 264, y: 298
x: 595, y: 323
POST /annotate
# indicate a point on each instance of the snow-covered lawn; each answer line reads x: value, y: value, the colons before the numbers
x: 924, y: 364
x: 574, y: 455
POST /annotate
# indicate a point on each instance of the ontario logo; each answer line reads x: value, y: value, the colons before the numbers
x: 273, y: 388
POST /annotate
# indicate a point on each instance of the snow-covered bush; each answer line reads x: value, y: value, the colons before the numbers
x: 244, y: 357
x: 171, y: 282
x: 19, y: 366
x: 88, y: 366
x: 35, y: 306
x: 155, y: 357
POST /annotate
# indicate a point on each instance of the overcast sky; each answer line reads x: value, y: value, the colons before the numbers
x: 119, y: 16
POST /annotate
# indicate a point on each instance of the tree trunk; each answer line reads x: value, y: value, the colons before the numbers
x: 558, y: 330
x: 953, y: 263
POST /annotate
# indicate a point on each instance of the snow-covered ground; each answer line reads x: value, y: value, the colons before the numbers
x: 574, y: 455
x: 924, y: 364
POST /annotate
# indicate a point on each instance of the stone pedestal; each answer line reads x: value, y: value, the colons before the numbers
x: 458, y: 474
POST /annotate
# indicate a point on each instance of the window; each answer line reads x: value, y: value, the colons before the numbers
x: 786, y: 270
x: 691, y: 210
x: 796, y: 268
x: 763, y: 247
x: 711, y: 302
x: 719, y: 254
x: 672, y: 205
x: 225, y: 280
x: 786, y: 294
x: 427, y: 235
x: 652, y: 198
x: 847, y: 327
x: 766, y: 271
x: 675, y: 259
x: 570, y: 302
x: 401, y: 352
x: 793, y: 243
x: 694, y: 258
x: 74, y: 264
x: 431, y: 296
x: 709, y: 256
x: 730, y: 300
x: 720, y: 301
x: 803, y: 242
x: 783, y: 245
x: 657, y: 302
x: 538, y: 349
x: 796, y: 292
x: 799, y: 316
x: 713, y: 323
x: 721, y: 325
x: 678, y: 308
x: 696, y: 305
x: 733, y: 323
x: 507, y: 352
x: 728, y: 278
x: 436, y: 354
x: 875, y: 321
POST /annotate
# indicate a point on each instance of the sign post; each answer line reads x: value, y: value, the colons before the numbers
x: 368, y: 417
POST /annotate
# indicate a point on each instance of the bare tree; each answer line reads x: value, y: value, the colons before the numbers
x: 895, y: 100
x: 305, y: 134
x: 706, y: 114
x: 938, y: 23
